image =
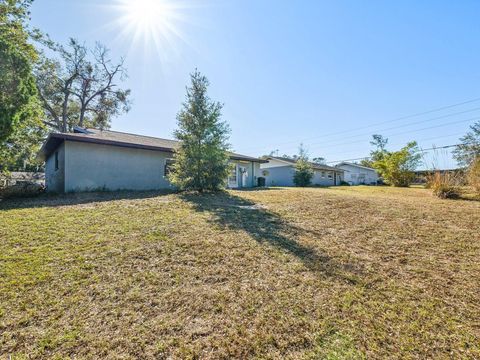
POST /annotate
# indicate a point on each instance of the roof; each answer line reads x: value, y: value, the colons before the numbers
x: 356, y: 165
x: 116, y: 138
x: 314, y: 165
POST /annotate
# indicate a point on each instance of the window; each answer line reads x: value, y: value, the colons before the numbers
x: 168, y: 166
x: 232, y: 178
x: 330, y: 175
x: 56, y: 160
x: 323, y: 174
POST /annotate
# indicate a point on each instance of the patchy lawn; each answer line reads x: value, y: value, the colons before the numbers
x: 339, y: 273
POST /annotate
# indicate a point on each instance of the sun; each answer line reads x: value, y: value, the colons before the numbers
x: 145, y: 15
x: 151, y: 24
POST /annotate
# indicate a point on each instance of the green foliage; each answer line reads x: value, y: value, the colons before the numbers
x: 20, y: 125
x: 303, y: 169
x: 396, y: 167
x: 469, y: 148
x: 78, y: 87
x: 202, y: 160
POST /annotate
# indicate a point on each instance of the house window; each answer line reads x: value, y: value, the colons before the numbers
x: 232, y: 178
x: 330, y: 175
x: 323, y: 174
x: 56, y: 160
x: 168, y: 166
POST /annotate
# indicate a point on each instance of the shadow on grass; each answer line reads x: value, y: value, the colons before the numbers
x: 266, y: 227
x: 55, y: 200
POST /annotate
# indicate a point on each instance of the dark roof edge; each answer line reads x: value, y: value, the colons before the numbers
x: 45, y: 152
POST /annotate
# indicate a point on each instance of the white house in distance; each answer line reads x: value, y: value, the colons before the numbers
x: 358, y: 175
x: 91, y: 159
x: 279, y: 171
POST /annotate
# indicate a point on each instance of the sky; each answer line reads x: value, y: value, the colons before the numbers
x: 327, y: 74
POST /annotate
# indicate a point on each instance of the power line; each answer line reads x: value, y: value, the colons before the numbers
x: 418, y: 141
x: 381, y: 123
x: 409, y: 124
x: 419, y: 151
x: 402, y: 133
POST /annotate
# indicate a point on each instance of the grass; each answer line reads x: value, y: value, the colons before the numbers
x: 335, y: 273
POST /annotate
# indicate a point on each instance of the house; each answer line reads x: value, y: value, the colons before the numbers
x: 91, y: 159
x: 279, y: 171
x: 358, y: 175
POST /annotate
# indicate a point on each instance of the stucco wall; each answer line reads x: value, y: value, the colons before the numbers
x: 323, y: 181
x: 253, y: 172
x: 94, y: 167
x: 89, y: 167
x: 55, y: 179
x: 354, y: 173
x: 279, y: 176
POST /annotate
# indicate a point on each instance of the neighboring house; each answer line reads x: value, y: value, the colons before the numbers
x: 279, y: 171
x: 91, y: 159
x: 358, y: 175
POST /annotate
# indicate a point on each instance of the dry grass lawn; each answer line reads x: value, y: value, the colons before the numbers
x: 338, y: 273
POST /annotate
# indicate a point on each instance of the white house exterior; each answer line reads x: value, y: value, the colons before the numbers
x: 93, y: 159
x: 279, y: 171
x: 358, y: 175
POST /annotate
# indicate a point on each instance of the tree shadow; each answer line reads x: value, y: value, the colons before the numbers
x: 267, y: 227
x: 56, y: 200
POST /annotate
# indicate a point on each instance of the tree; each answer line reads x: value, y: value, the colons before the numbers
x: 396, y: 167
x: 202, y: 160
x: 469, y: 149
x: 303, y: 169
x: 20, y: 125
x: 319, y: 160
x: 79, y: 87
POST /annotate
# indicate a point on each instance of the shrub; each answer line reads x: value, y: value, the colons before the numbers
x: 473, y: 175
x: 344, y: 183
x: 444, y: 185
x: 303, y: 173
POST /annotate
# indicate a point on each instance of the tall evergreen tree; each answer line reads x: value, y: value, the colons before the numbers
x: 303, y: 169
x: 201, y: 162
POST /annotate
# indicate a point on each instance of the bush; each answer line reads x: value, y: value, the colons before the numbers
x: 444, y: 185
x: 303, y: 173
x: 344, y: 183
x: 473, y: 175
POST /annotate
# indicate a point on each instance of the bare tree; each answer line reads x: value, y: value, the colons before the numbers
x: 78, y: 88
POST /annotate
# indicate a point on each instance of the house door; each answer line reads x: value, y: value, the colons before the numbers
x: 243, y: 176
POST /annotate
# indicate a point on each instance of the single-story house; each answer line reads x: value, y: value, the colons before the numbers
x: 358, y: 175
x: 91, y: 159
x: 279, y: 171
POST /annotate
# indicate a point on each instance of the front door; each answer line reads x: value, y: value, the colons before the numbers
x: 243, y: 176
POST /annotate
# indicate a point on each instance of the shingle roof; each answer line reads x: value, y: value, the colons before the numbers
x: 116, y: 138
x: 314, y: 165
x: 356, y: 165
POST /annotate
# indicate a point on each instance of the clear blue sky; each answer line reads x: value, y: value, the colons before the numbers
x: 320, y: 72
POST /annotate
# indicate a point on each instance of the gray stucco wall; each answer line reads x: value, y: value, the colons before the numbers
x: 279, y: 176
x: 89, y: 167
x: 356, y: 175
x: 283, y: 176
x: 55, y: 179
x: 253, y: 172
x: 93, y: 167
x: 323, y: 181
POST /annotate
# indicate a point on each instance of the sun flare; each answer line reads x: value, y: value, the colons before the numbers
x: 151, y: 24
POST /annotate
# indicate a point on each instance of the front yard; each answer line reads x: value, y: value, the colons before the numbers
x: 337, y: 273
